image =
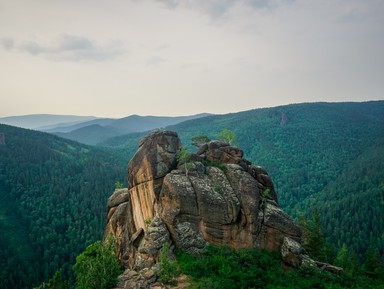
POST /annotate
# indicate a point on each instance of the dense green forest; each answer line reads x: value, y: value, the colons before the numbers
x: 53, y: 195
x: 327, y: 156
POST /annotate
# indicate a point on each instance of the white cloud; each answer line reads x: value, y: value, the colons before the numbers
x: 155, y: 60
x: 68, y: 48
x: 7, y: 43
x: 220, y: 8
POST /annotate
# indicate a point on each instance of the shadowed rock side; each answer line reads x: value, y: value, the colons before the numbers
x: 218, y: 197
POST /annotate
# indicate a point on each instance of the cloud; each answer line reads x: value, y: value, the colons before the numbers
x: 68, y: 48
x: 31, y: 47
x: 218, y: 8
x: 214, y: 8
x: 155, y: 60
x: 261, y: 4
x: 7, y: 43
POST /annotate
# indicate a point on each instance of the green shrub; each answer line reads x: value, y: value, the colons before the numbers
x: 119, y: 185
x: 56, y: 282
x: 227, y: 135
x: 168, y: 269
x: 216, y: 164
x: 217, y: 188
x: 197, y: 141
x: 147, y: 221
x: 226, y: 268
x: 97, y: 267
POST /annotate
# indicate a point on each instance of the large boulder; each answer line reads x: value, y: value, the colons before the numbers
x: 132, y: 210
x: 155, y: 158
x: 218, y: 197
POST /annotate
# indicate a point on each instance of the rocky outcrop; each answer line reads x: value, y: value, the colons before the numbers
x: 217, y: 197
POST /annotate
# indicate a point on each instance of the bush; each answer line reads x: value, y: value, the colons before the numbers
x: 168, y: 269
x: 97, y: 267
x: 56, y: 282
x: 226, y: 268
x: 227, y: 136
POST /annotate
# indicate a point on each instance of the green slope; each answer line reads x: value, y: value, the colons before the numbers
x: 52, y: 203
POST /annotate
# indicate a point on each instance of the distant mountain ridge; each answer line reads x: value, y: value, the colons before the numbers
x: 39, y: 121
x: 68, y: 127
x: 96, y: 131
x: 93, y: 130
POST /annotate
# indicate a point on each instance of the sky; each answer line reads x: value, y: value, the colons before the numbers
x: 167, y: 57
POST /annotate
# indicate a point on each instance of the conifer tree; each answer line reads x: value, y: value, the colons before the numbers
x: 372, y: 263
x: 342, y: 257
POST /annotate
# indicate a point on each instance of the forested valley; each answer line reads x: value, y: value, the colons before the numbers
x: 326, y: 161
x: 52, y: 203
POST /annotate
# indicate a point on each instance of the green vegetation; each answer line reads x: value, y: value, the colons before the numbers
x: 215, y: 164
x: 168, y: 269
x: 56, y: 282
x: 217, y: 188
x: 52, y: 204
x: 313, y: 239
x: 222, y: 267
x: 97, y: 267
x: 227, y: 136
x: 184, y: 156
x: 147, y: 221
x: 119, y: 185
x: 197, y: 141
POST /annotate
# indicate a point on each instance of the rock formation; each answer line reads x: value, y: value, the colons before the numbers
x: 217, y: 197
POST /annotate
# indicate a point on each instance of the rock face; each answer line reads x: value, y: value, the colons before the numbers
x: 218, y: 197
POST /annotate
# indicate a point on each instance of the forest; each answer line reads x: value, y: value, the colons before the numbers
x: 326, y: 161
x: 52, y: 204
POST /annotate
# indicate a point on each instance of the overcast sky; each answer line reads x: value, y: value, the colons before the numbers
x: 167, y: 57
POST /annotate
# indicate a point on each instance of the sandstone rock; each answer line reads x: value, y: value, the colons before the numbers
x: 142, y: 279
x: 188, y: 239
x: 155, y: 236
x: 328, y: 267
x: 293, y: 253
x: 276, y: 225
x: 221, y: 152
x: 262, y: 177
x: 155, y: 157
x: 118, y: 197
x: 219, y: 198
x: 121, y: 226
